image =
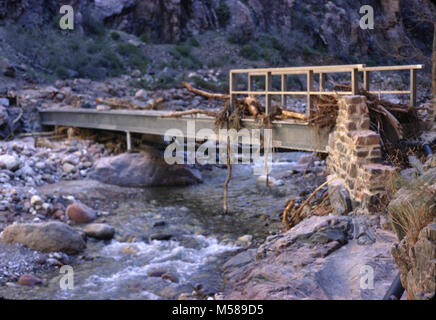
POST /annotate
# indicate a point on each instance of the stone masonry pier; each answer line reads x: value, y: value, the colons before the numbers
x: 355, y: 155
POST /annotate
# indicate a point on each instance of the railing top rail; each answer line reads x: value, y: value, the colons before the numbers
x: 392, y: 68
x: 323, y: 69
x: 301, y: 69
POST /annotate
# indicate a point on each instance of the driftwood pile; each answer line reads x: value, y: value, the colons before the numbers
x: 248, y: 107
x: 393, y: 121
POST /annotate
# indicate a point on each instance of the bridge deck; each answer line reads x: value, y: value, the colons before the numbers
x: 287, y: 134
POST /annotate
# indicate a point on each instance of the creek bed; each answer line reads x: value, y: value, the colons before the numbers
x: 201, y: 238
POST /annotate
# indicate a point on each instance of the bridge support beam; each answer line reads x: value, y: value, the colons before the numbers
x: 128, y: 141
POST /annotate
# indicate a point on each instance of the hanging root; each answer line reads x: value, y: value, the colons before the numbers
x: 229, y: 176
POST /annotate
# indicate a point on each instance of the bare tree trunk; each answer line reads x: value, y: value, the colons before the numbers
x: 433, y: 71
x: 433, y: 60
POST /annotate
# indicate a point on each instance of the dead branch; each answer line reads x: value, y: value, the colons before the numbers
x: 206, y: 94
x: 189, y: 112
x: 322, y: 203
x: 296, y: 217
x: 289, y: 115
x: 290, y: 205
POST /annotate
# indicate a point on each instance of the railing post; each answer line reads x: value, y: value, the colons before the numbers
x: 413, y: 87
x: 232, y: 81
x: 250, y: 82
x: 309, y: 91
x: 366, y: 80
x: 268, y: 89
x: 354, y: 81
x: 284, y: 88
x: 322, y: 78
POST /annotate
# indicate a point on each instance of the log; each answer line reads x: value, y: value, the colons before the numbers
x: 189, y: 112
x: 289, y: 115
x: 206, y: 94
x: 392, y: 120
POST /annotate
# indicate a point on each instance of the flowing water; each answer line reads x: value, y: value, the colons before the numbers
x: 132, y: 264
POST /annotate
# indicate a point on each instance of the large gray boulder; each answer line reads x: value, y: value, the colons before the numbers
x: 47, y: 237
x: 144, y: 169
x: 320, y: 258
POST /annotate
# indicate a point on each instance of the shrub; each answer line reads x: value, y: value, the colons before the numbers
x: 144, y: 38
x: 115, y: 36
x: 127, y: 49
x: 183, y: 49
x: 411, y: 219
x: 249, y: 52
x: 193, y: 42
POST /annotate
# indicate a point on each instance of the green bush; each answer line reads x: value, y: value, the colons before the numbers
x: 127, y: 49
x: 249, y: 52
x: 115, y: 36
x: 144, y: 38
x: 222, y: 86
x: 184, y: 57
x: 183, y: 49
x: 95, y: 47
x: 193, y: 42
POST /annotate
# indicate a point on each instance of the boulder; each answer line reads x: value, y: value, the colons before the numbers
x: 80, y: 213
x: 99, y: 231
x: 9, y: 162
x: 144, y: 169
x: 339, y: 197
x: 69, y: 168
x: 46, y: 237
x: 141, y: 95
x: 29, y: 280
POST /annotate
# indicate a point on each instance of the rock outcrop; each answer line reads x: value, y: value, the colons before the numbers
x: 144, y: 169
x: 321, y: 258
x: 324, y: 25
x: 47, y: 237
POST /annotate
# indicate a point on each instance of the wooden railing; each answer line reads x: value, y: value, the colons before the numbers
x: 310, y: 72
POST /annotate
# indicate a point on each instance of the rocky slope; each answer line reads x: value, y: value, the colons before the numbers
x: 314, y: 27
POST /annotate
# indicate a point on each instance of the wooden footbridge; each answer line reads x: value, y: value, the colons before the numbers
x: 287, y: 134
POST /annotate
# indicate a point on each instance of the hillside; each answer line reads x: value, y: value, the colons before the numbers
x: 168, y: 39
